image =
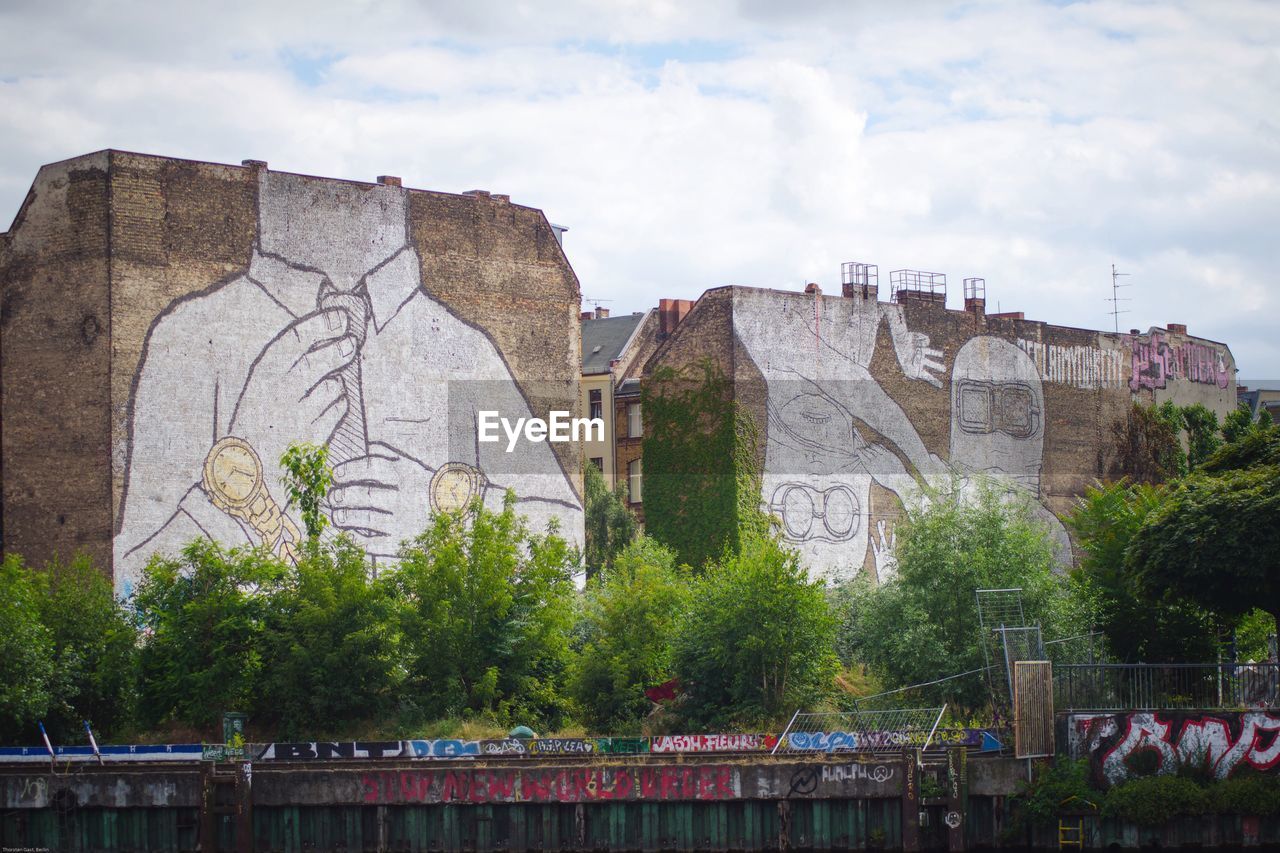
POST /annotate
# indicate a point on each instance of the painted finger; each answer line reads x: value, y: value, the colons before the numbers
x: 324, y: 360
x: 364, y: 518
x: 371, y: 468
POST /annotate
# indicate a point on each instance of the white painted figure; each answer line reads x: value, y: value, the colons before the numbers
x: 819, y: 466
x: 329, y: 336
x: 998, y: 423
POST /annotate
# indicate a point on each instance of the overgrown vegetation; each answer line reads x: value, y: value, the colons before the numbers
x: 1172, y: 565
x: 924, y: 624
x: 700, y: 461
x: 1150, y: 799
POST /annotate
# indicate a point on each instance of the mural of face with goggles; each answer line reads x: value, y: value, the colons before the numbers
x: 997, y: 412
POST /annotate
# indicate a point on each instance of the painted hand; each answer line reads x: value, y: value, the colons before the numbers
x: 882, y: 552
x: 291, y: 393
x: 920, y: 361
x: 381, y: 499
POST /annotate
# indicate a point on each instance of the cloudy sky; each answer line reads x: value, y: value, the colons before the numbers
x: 694, y: 144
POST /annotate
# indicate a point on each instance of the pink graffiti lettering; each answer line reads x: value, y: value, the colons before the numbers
x: 1155, y: 362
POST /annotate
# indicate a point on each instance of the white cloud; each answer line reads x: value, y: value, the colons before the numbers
x: 690, y: 145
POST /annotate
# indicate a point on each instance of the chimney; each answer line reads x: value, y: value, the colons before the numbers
x: 505, y: 199
x: 586, y: 315
x: 601, y: 313
x: 975, y: 295
x: 670, y: 313
x: 812, y: 289
x: 254, y: 164
x: 389, y: 180
x: 477, y: 193
x: 1177, y: 328
x: 1009, y: 315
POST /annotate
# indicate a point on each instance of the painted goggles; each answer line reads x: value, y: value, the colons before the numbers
x: 808, y: 513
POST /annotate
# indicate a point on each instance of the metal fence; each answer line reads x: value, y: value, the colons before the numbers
x: 1151, y: 686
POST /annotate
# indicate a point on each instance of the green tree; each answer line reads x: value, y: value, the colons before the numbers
x: 203, y: 617
x: 1201, y: 427
x: 610, y: 525
x: 1240, y: 422
x: 330, y: 648
x: 307, y: 480
x: 1147, y: 446
x: 488, y: 617
x: 1215, y: 538
x: 757, y: 641
x: 1137, y: 627
x: 630, y: 617
x: 924, y: 624
x: 700, y: 453
x: 95, y: 652
x: 26, y: 652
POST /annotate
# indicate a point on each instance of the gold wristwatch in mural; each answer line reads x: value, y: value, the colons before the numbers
x: 235, y: 483
x: 454, y: 485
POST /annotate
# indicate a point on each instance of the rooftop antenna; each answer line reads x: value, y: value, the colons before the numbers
x: 1115, y: 299
x: 595, y: 302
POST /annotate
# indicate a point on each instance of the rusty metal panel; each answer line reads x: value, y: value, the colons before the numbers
x: 1033, y: 708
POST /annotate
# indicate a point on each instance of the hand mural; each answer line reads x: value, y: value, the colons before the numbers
x: 291, y: 393
x: 377, y: 496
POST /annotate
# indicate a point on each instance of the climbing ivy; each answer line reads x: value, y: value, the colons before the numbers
x: 701, y: 467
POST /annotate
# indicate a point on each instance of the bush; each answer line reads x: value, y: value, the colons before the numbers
x: 1155, y: 800
x: 26, y: 652
x: 489, y: 610
x: 94, y: 654
x: 1245, y: 794
x: 203, y: 618
x: 758, y: 640
x: 1061, y: 786
x: 330, y: 652
x: 629, y: 618
x: 924, y: 624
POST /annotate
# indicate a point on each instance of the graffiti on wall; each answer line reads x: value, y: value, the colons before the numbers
x: 585, y: 784
x: 1081, y: 366
x: 712, y: 743
x: 329, y: 336
x: 1119, y: 746
x: 1155, y: 362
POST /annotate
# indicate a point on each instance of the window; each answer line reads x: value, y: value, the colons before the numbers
x: 634, y: 486
x: 635, y: 426
x: 598, y: 461
x: 597, y: 406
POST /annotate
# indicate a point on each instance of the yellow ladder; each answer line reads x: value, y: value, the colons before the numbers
x: 1070, y: 835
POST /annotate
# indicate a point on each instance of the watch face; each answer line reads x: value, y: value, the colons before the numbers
x: 454, y: 485
x: 233, y: 471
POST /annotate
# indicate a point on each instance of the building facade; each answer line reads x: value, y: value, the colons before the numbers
x: 170, y: 327
x: 862, y: 402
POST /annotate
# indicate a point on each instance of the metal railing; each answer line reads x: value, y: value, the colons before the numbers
x: 1164, y: 686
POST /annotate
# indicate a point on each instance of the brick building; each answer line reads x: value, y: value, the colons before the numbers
x: 862, y: 401
x: 167, y: 327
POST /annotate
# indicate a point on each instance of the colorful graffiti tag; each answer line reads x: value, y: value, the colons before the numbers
x: 713, y: 743
x: 577, y: 785
x: 1155, y: 362
x: 1120, y: 746
x: 449, y: 748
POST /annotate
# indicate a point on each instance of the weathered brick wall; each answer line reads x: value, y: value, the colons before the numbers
x: 210, y: 267
x: 55, y: 338
x: 862, y: 402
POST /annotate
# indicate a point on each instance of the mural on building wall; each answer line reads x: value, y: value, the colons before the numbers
x: 997, y: 423
x: 328, y: 336
x: 832, y: 429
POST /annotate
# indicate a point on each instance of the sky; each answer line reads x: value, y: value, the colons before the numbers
x: 689, y: 145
